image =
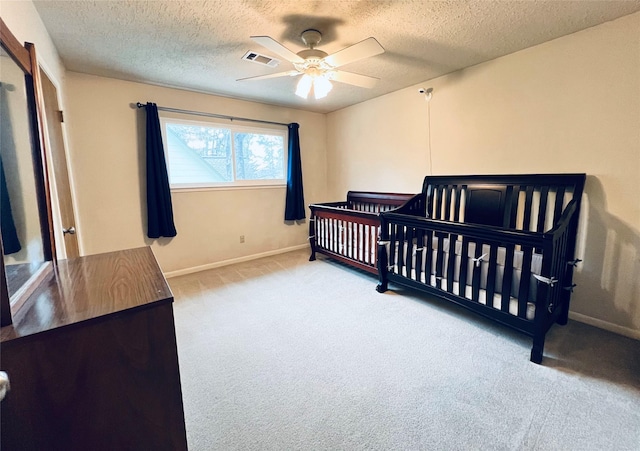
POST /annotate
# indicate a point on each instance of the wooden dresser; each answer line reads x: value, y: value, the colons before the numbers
x: 92, y: 360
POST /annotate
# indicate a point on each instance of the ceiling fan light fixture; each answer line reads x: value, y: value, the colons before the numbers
x: 304, y: 86
x: 321, y: 87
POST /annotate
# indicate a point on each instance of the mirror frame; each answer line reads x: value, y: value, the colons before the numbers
x: 25, y: 58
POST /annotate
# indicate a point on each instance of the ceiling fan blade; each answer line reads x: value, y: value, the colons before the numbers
x: 273, y: 45
x: 363, y: 49
x: 290, y: 73
x: 364, y: 81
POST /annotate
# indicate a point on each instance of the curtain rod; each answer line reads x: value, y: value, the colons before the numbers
x: 219, y: 116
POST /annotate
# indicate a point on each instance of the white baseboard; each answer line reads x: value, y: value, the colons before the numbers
x: 620, y: 330
x: 183, y: 272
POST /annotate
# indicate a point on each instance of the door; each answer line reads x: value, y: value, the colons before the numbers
x: 53, y: 119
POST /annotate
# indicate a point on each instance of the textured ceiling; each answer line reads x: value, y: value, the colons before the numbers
x: 198, y: 45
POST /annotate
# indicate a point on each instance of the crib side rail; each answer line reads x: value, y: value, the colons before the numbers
x: 482, y: 232
x: 486, y: 269
x: 347, y: 235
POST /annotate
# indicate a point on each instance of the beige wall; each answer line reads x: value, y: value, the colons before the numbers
x: 107, y: 153
x: 569, y: 105
x: 21, y: 17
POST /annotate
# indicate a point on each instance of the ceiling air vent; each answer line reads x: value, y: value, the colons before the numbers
x: 256, y: 57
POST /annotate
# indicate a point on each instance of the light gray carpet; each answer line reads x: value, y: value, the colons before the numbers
x: 285, y: 354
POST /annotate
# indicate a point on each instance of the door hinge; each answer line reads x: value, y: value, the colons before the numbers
x: 61, y: 116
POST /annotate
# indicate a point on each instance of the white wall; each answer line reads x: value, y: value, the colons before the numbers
x: 107, y: 153
x: 569, y: 105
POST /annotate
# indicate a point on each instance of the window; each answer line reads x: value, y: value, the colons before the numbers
x: 216, y: 154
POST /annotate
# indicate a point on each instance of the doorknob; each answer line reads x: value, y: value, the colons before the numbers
x: 70, y: 231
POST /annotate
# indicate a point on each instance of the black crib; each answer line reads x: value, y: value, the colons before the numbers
x: 500, y: 245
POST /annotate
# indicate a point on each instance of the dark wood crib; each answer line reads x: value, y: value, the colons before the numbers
x: 348, y: 231
x: 500, y: 245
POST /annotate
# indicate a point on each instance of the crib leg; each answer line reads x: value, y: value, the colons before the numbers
x: 563, y: 316
x: 538, y: 348
x: 312, y: 239
x: 382, y: 269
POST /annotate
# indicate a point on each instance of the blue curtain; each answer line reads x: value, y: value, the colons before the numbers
x: 294, y: 206
x: 159, y: 208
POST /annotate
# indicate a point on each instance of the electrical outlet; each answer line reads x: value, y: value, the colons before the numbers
x: 242, y: 238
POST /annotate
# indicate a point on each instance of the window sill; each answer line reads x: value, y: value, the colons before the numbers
x: 225, y: 188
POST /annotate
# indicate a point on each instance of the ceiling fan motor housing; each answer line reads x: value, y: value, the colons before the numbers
x: 311, y: 37
x: 313, y: 58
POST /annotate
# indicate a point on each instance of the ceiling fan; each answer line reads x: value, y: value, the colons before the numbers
x: 318, y: 68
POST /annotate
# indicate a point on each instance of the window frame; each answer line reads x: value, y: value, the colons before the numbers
x: 227, y: 124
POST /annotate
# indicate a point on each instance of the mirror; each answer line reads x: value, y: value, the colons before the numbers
x: 25, y: 209
x: 19, y: 217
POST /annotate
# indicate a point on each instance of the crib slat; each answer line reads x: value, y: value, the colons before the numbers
x: 477, y: 269
x: 525, y: 281
x: 373, y: 247
x: 348, y: 232
x: 559, y: 263
x: 419, y: 252
x: 447, y: 202
x: 456, y: 213
x: 440, y: 258
x: 409, y: 256
x: 464, y: 265
x: 508, y: 204
x: 365, y: 244
x: 349, y: 240
x: 400, y: 237
x: 429, y: 200
x: 438, y: 207
x: 544, y: 194
x: 527, y: 208
x: 491, y: 274
x: 429, y: 260
x: 507, y: 277
x: 451, y: 263
x: 393, y: 243
x: 558, y: 205
x: 355, y: 239
x: 515, y: 196
x: 323, y: 232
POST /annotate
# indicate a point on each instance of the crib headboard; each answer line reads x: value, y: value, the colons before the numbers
x: 375, y: 201
x: 532, y: 202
